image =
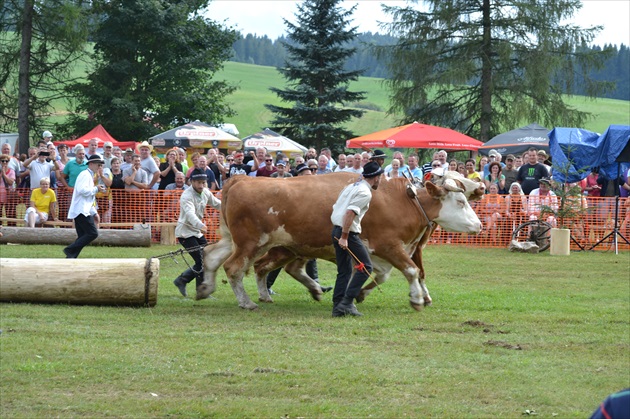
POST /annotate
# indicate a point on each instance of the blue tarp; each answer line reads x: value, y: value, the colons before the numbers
x: 613, y: 140
x: 581, y: 150
x: 573, y: 147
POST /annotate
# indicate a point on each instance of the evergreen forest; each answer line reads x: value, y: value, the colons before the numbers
x: 253, y: 49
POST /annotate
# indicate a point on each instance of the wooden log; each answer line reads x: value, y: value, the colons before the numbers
x: 167, y: 235
x: 140, y: 236
x: 119, y: 282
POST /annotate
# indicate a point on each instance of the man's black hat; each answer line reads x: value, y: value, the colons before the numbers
x: 378, y: 154
x: 301, y: 167
x: 372, y: 169
x: 95, y: 158
x: 198, y: 174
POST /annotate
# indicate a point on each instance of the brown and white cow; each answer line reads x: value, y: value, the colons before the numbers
x: 284, y: 223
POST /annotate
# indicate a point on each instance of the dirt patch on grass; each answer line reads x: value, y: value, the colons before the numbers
x: 270, y: 371
x: 476, y: 323
x: 487, y: 328
x: 502, y: 344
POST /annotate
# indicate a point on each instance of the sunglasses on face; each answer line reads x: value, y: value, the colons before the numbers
x: 268, y: 160
x: 436, y: 165
x: 230, y: 159
x: 4, y: 161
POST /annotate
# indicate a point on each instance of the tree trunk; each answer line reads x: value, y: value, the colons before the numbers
x: 120, y: 282
x: 23, y: 142
x: 140, y: 236
x: 486, y: 75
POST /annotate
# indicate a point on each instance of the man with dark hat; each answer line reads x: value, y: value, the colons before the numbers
x: 82, y: 207
x: 190, y: 228
x: 379, y: 157
x: 352, y: 204
x: 303, y: 170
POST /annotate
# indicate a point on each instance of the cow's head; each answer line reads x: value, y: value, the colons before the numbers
x: 456, y: 215
x: 472, y: 189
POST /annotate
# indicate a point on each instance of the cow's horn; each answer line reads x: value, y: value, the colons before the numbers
x: 451, y: 186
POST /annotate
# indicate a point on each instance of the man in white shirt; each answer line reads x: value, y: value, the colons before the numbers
x: 352, y: 204
x: 40, y: 168
x: 190, y: 228
x: 148, y: 164
x: 82, y: 207
x: 92, y: 148
x: 541, y: 197
x: 13, y: 162
x: 356, y: 165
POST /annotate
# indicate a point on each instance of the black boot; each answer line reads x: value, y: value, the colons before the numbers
x: 345, y: 308
x: 181, y: 286
x: 182, y: 280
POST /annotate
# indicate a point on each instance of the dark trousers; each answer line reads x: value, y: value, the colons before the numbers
x: 311, y: 270
x: 348, y: 285
x: 196, y: 272
x: 86, y: 234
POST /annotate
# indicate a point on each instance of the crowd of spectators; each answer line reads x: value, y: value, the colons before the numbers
x: 517, y: 186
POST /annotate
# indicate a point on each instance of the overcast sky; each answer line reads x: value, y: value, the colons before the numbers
x: 265, y: 17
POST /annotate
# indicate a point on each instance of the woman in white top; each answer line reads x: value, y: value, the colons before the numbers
x: 395, y: 172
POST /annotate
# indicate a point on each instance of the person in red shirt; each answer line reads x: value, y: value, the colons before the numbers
x: 268, y: 169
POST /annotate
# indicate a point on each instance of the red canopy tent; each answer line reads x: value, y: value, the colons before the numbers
x: 101, y: 135
x: 416, y: 135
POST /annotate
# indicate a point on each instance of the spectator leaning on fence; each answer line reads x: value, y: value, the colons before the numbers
x: 7, y: 186
x: 42, y: 204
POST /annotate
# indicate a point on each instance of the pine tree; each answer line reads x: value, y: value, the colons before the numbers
x: 484, y: 66
x: 153, y: 68
x: 317, y: 82
x: 40, y: 45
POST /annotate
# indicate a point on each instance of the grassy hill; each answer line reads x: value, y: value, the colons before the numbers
x: 254, y: 82
x: 253, y: 93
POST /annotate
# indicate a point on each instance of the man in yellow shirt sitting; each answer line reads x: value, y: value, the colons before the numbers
x: 43, y: 203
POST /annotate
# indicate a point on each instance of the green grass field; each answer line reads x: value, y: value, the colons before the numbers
x: 507, y: 333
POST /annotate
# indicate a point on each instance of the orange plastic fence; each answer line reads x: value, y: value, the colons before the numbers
x: 499, y: 214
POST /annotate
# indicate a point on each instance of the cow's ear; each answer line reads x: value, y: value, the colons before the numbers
x: 433, y: 190
x: 477, y: 194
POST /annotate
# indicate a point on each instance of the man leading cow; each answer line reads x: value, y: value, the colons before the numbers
x: 350, y: 207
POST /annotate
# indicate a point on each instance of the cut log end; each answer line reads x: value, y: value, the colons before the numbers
x: 117, y: 282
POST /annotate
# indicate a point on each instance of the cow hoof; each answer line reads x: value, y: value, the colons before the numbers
x: 416, y: 306
x: 428, y: 301
x: 360, y: 297
x: 250, y: 306
x: 265, y: 300
x: 203, y: 292
x: 317, y: 295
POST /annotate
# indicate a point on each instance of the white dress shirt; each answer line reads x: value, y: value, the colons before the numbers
x: 83, y: 195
